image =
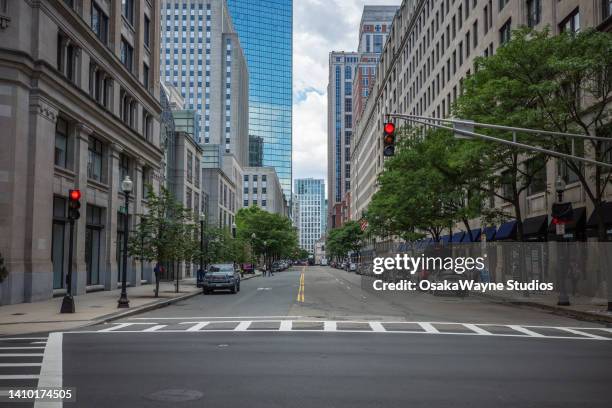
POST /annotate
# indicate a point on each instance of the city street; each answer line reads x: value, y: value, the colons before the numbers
x: 341, y: 346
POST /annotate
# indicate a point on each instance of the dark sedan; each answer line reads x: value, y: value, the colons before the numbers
x: 220, y: 277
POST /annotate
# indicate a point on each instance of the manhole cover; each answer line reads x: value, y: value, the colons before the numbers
x: 175, y: 395
x: 96, y: 306
x: 17, y: 314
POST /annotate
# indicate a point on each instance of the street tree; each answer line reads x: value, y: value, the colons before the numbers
x: 560, y: 83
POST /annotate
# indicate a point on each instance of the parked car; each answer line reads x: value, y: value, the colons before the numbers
x: 352, y: 267
x: 219, y: 277
x: 248, y: 268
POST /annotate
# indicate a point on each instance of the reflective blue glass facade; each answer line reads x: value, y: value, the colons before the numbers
x: 265, y: 29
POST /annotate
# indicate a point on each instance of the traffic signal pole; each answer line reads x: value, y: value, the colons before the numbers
x: 74, y: 197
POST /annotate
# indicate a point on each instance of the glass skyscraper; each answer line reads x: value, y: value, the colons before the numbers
x: 265, y: 30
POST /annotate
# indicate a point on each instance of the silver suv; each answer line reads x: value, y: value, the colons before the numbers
x: 220, y: 277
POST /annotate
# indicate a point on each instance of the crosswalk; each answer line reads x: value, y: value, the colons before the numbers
x: 356, y: 326
x: 20, y: 362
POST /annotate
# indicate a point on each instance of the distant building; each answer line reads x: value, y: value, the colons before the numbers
x: 256, y: 151
x: 351, y: 75
x: 311, y: 196
x: 201, y: 56
x: 265, y: 29
x: 319, y: 251
x: 187, y: 121
x: 220, y: 186
x: 295, y: 211
x: 262, y: 188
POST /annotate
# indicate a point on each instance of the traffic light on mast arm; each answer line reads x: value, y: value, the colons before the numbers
x: 389, y: 139
x: 74, y: 204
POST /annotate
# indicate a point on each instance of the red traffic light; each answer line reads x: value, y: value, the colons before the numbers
x: 389, y: 128
x: 75, y: 195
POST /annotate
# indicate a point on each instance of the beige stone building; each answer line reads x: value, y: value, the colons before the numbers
x: 79, y: 108
x: 429, y: 52
x: 262, y: 188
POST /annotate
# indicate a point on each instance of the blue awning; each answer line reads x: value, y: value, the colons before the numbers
x: 506, y: 231
x: 475, y: 236
x: 457, y: 236
x: 445, y: 239
x: 490, y: 233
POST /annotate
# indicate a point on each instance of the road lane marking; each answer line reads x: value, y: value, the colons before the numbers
x: 477, y: 330
x: 212, y: 317
x: 198, y: 326
x: 23, y: 348
x: 377, y: 327
x: 117, y: 326
x: 155, y: 328
x: 300, y: 295
x: 20, y: 364
x: 525, y: 331
x: 243, y: 326
x: 330, y: 326
x: 51, y: 369
x: 19, y: 377
x: 22, y: 338
x: 22, y: 354
x: 286, y: 325
x: 428, y: 327
x: 582, y: 333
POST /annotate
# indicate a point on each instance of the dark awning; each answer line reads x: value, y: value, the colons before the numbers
x: 475, y: 236
x: 457, y: 236
x: 490, y: 233
x: 578, y: 221
x: 445, y: 239
x: 535, y: 225
x: 606, y: 207
x: 506, y: 231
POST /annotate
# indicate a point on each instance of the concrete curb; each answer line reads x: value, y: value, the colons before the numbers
x: 152, y: 306
x: 576, y: 314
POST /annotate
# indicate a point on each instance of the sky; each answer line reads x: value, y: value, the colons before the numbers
x: 319, y: 26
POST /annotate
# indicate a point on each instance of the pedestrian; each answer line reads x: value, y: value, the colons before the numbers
x: 157, y: 271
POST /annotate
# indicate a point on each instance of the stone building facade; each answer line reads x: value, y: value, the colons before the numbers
x: 79, y: 108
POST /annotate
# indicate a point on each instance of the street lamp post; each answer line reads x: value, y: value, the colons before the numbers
x: 563, y: 296
x: 234, y: 230
x: 265, y: 251
x: 202, y: 219
x: 253, y: 236
x: 126, y: 187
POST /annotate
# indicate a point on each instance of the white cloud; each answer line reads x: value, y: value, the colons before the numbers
x: 319, y: 26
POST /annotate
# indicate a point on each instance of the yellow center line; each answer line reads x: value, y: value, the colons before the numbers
x: 300, y: 295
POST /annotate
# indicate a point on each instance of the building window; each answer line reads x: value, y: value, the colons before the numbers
x: 127, y: 54
x: 188, y: 202
x: 61, y: 143
x: 66, y: 57
x: 147, y: 31
x: 94, y: 159
x: 127, y: 10
x: 57, y: 241
x: 93, y: 240
x: 189, y: 166
x: 505, y: 32
x: 124, y: 167
x: 571, y: 24
x: 145, y: 75
x: 502, y: 4
x: 606, y: 8
x: 99, y: 22
x: 534, y: 12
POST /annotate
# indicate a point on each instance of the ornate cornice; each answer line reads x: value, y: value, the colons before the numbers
x: 42, y: 107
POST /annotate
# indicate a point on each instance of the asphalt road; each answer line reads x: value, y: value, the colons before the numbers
x: 329, y: 343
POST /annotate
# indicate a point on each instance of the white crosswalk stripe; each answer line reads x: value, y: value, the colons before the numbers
x: 357, y: 326
x: 21, y: 361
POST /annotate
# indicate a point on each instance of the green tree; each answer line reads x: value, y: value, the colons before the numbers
x: 342, y: 240
x: 270, y: 235
x: 166, y: 233
x: 561, y: 83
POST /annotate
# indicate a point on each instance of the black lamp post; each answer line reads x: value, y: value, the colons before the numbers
x: 234, y: 230
x: 253, y: 236
x: 202, y: 219
x: 563, y: 296
x: 126, y: 187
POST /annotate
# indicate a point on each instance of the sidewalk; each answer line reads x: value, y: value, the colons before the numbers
x: 583, y: 308
x: 92, y: 308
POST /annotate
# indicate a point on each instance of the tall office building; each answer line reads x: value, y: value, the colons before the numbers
x: 429, y: 52
x: 350, y: 77
x: 202, y: 57
x: 265, y: 29
x: 311, y: 224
